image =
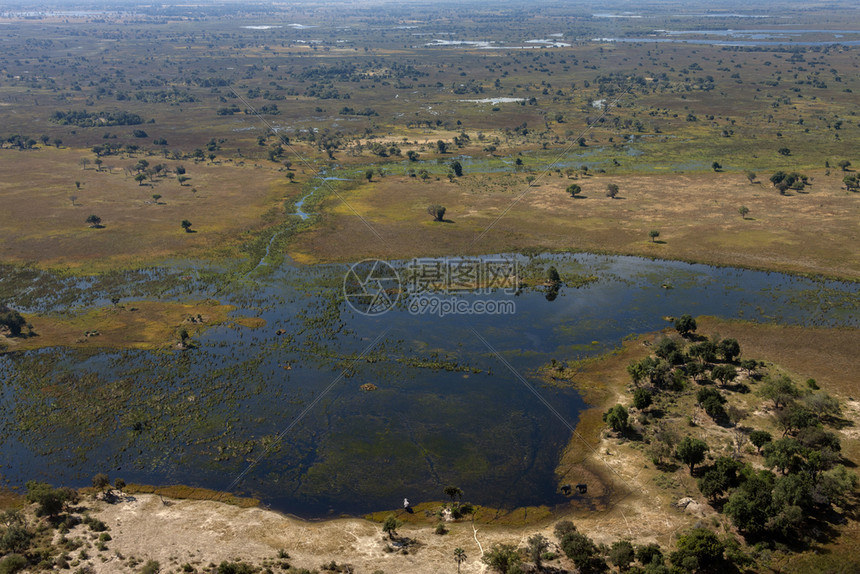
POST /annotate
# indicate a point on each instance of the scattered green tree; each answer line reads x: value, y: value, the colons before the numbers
x: 712, y: 401
x: 749, y: 505
x: 51, y: 501
x: 621, y: 554
x: 562, y: 528
x: 649, y: 554
x: 669, y: 350
x: 780, y: 389
x: 685, y: 325
x: 706, y: 351
x: 16, y: 539
x: 720, y: 477
x: 759, y: 438
x: 743, y: 210
x: 691, y: 451
x: 637, y: 371
x: 835, y: 486
x: 698, y: 551
x: 580, y: 548
x: 616, y: 418
x: 101, y: 481
x: 784, y: 454
x: 503, y: 558
x: 391, y: 525
x: 724, y: 374
x: 455, y: 493
x: 538, y: 544
x: 642, y: 398
x: 729, y: 349
x: 12, y: 563
x: 186, y: 225
x: 794, y: 418
x: 437, y: 211
x: 653, y: 234
x: 749, y: 365
x: 823, y: 405
x: 95, y: 221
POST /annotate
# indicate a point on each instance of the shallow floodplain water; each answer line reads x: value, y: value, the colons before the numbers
x: 446, y: 410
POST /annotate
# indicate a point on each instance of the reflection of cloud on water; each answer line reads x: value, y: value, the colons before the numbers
x: 495, y: 100
x: 489, y: 45
x: 621, y: 15
x: 275, y: 26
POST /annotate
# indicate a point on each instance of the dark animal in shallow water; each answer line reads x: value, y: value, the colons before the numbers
x: 582, y: 488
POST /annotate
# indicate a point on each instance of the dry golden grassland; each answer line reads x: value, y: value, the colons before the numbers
x: 39, y: 223
x: 696, y: 215
x: 136, y: 325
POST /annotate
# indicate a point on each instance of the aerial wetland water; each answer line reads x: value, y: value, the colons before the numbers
x: 445, y: 409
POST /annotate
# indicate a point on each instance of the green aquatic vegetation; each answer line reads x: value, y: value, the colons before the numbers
x: 437, y: 364
x: 445, y: 405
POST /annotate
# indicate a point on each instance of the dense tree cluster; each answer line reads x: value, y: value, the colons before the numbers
x: 589, y: 557
x: 84, y: 119
x: 12, y: 320
x: 784, y: 181
x: 851, y: 182
x: 18, y: 141
x: 798, y: 475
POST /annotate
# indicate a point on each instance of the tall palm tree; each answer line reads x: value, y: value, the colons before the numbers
x: 459, y: 556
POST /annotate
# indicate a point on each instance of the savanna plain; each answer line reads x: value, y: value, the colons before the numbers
x: 196, y: 374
